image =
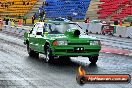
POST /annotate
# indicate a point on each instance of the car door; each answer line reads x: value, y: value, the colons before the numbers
x: 41, y: 39
x: 32, y: 37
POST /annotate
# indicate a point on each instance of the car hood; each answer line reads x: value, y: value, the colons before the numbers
x: 67, y: 37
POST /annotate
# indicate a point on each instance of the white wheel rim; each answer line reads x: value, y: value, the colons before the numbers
x: 47, y: 56
x: 28, y: 49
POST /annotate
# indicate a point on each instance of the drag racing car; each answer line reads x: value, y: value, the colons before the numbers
x: 58, y: 39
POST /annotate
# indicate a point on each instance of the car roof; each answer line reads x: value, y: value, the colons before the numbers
x: 59, y: 22
x: 40, y: 22
x: 50, y: 22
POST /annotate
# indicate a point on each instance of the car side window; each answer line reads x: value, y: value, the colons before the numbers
x: 45, y: 25
x: 47, y: 28
x: 35, y: 30
x: 40, y: 29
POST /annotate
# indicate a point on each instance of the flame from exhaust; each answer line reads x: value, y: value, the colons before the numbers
x: 81, y: 71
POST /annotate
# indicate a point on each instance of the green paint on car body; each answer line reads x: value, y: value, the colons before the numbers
x: 72, y: 45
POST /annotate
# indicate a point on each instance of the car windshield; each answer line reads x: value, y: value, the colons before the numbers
x: 60, y: 28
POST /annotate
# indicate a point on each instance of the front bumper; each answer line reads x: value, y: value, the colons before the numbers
x: 68, y: 50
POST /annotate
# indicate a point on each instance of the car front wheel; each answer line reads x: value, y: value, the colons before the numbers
x: 49, y: 56
x: 93, y: 59
x: 31, y: 52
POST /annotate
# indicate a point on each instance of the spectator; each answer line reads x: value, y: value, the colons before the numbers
x: 131, y: 24
x: 12, y: 23
x: 28, y: 3
x: 23, y: 2
x: 1, y: 5
x: 116, y: 22
x: 12, y: 3
x: 6, y: 6
x: 9, y: 22
x: 69, y: 18
x: 19, y: 22
x: 19, y: 17
x: 120, y: 22
x: 35, y: 15
x: 33, y: 18
x: 41, y: 15
x: 6, y: 19
x: 1, y: 23
x: 39, y: 11
x: 43, y: 4
x: 86, y: 20
x: 39, y: 18
x: 43, y: 12
x: 46, y: 4
x: 43, y: 18
x: 24, y: 19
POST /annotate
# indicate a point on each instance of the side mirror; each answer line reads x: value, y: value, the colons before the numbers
x: 39, y: 33
x: 30, y: 32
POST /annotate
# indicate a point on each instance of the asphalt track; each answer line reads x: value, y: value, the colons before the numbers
x: 18, y: 70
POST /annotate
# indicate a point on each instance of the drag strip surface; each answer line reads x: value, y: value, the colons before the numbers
x: 18, y: 70
x: 122, y: 43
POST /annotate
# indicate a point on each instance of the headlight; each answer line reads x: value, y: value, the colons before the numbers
x: 94, y: 42
x: 55, y: 43
x: 62, y: 42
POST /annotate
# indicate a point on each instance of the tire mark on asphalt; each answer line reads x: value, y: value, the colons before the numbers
x: 53, y: 70
x: 21, y: 70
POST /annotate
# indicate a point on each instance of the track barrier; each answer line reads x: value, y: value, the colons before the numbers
x: 97, y: 28
x: 119, y: 31
x: 13, y: 28
x: 129, y: 32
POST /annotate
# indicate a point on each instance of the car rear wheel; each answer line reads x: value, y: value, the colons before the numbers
x: 31, y: 52
x: 49, y: 56
x: 65, y: 58
x: 93, y: 59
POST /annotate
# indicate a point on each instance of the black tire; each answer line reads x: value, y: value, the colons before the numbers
x: 31, y: 52
x: 49, y: 57
x: 93, y: 59
x: 65, y: 58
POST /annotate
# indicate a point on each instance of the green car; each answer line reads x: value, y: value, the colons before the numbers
x: 61, y: 39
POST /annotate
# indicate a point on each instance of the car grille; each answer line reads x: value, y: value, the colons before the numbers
x: 78, y: 43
